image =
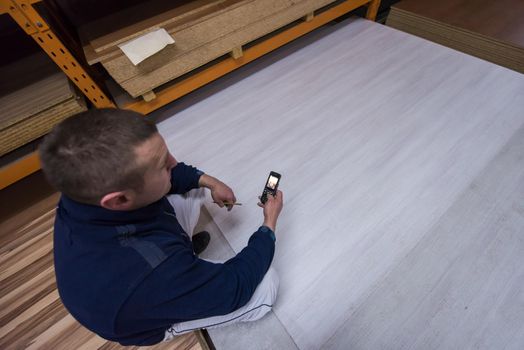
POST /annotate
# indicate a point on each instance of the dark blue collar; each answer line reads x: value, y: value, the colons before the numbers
x: 98, y: 215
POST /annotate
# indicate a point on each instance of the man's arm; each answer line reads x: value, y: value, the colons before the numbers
x: 186, y: 288
x: 220, y: 192
x: 184, y: 178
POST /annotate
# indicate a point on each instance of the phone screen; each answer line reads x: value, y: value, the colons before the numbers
x: 272, y: 182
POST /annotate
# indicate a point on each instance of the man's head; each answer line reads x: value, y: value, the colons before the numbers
x: 108, y: 157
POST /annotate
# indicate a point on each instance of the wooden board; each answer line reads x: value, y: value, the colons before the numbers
x: 180, y: 22
x: 29, y: 86
x: 170, y: 63
x: 403, y: 186
x: 35, y: 95
x: 135, y: 21
x: 491, y: 30
x: 498, y: 53
x: 200, y: 32
x: 39, y: 124
x: 501, y: 20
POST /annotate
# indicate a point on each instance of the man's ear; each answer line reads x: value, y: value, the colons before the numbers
x: 122, y: 200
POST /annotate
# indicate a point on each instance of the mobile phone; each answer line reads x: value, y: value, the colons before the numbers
x: 271, y: 186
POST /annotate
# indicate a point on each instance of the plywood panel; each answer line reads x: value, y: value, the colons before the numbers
x: 135, y: 21
x: 143, y: 78
x: 202, y: 29
x: 30, y: 86
x: 39, y: 124
x: 491, y: 30
x: 501, y: 20
x: 199, y: 39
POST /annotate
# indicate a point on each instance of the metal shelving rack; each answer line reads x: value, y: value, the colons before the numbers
x: 27, y: 17
x: 23, y: 12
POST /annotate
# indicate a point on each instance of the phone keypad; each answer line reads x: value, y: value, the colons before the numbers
x: 263, y: 199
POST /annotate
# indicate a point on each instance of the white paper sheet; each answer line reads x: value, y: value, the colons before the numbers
x: 146, y: 45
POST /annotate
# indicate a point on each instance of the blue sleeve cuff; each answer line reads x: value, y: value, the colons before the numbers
x: 199, y: 173
x: 269, y: 231
x: 184, y: 178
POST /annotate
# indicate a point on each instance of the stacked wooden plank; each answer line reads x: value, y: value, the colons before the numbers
x: 34, y: 96
x: 491, y: 30
x: 202, y: 30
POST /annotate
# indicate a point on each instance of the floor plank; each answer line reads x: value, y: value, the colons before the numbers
x: 31, y: 313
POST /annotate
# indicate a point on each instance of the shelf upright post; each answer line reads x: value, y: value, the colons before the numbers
x: 23, y: 12
x: 34, y: 25
x: 372, y: 10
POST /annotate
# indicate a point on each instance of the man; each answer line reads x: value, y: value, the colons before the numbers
x: 124, y: 261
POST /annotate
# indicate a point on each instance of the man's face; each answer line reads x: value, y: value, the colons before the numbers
x: 153, y: 154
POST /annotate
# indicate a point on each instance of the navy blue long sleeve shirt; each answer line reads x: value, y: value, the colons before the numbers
x: 129, y: 275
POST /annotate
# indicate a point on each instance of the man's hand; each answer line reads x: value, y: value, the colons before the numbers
x: 272, y: 209
x: 220, y: 192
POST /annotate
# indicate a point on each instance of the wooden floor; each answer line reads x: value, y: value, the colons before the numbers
x: 403, y: 180
x: 31, y: 313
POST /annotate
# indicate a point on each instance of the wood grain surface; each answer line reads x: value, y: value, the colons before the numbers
x: 491, y: 30
x: 200, y: 38
x: 170, y: 63
x: 134, y: 21
x: 34, y: 96
x: 402, y: 174
x: 502, y: 20
x: 30, y: 86
x: 31, y: 313
x: 198, y: 29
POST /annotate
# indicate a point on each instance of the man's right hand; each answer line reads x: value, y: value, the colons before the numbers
x: 272, y: 209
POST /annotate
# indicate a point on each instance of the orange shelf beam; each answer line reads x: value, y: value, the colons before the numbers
x: 16, y: 171
x: 29, y: 164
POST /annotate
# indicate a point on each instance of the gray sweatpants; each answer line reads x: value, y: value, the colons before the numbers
x: 187, y: 210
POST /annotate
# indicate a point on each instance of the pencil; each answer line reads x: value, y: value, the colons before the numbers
x: 227, y: 203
